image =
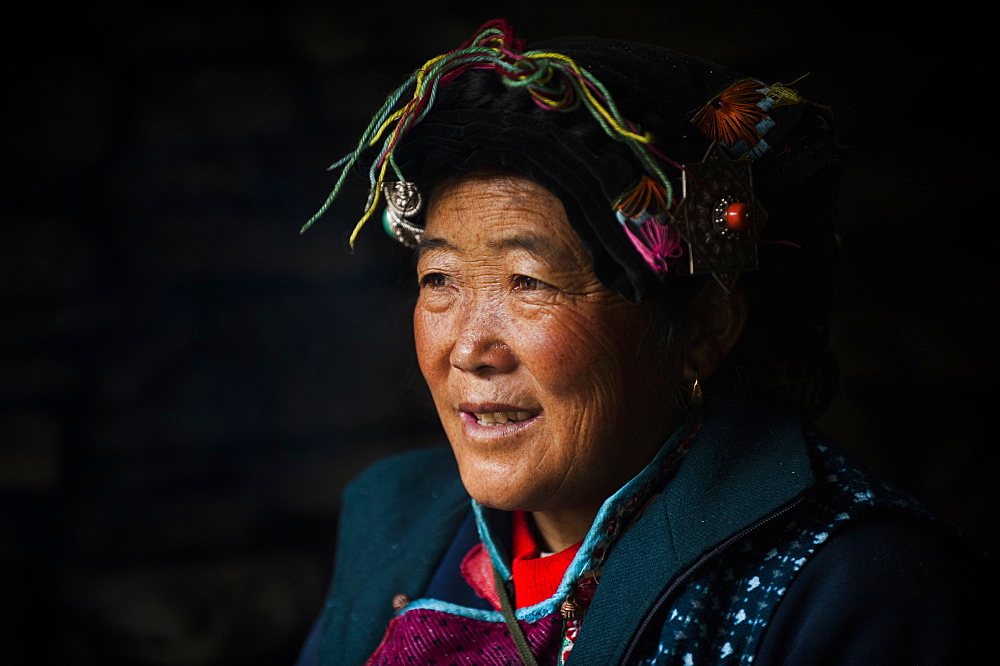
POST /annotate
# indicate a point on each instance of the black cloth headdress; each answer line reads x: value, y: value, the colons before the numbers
x: 648, y: 149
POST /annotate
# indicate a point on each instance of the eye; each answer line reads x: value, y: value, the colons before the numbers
x: 525, y: 283
x: 434, y: 280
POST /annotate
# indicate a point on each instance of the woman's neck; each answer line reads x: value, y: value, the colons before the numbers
x: 558, y: 530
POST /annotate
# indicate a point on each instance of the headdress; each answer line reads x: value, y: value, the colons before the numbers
x: 648, y: 149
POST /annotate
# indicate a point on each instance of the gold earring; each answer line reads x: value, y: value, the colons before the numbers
x: 696, y: 395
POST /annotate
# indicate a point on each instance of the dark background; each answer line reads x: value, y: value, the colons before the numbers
x: 186, y: 382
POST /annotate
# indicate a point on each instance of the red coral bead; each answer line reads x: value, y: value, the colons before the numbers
x: 739, y: 216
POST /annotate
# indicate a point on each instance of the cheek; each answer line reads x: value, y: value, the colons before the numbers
x: 584, y: 356
x: 430, y: 339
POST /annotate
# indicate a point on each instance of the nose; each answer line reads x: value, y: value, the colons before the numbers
x: 481, y: 344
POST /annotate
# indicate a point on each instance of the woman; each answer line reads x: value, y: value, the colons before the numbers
x: 621, y: 332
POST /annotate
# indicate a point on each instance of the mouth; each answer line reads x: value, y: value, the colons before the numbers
x: 495, y: 415
x: 501, y: 418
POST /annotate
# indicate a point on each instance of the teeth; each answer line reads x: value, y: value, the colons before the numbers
x: 500, y: 418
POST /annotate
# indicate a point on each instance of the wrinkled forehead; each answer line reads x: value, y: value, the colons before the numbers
x: 499, y: 213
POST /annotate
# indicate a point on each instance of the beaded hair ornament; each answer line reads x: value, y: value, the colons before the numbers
x: 716, y: 219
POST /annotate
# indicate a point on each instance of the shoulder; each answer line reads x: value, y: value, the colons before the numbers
x: 887, y: 583
x: 402, y: 490
x: 396, y: 519
x: 421, y: 470
x: 886, y: 588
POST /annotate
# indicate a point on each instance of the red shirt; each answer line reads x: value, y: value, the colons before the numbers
x: 536, y: 578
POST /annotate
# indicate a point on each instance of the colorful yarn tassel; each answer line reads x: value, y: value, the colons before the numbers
x: 643, y: 215
x: 738, y: 113
x: 554, y: 81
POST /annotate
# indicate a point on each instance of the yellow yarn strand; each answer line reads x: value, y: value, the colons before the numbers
x: 594, y: 103
x: 783, y: 94
x: 376, y: 192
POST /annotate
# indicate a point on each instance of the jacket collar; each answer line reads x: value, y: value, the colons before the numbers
x: 742, y: 467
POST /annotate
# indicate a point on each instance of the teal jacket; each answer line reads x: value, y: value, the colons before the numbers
x: 747, y: 477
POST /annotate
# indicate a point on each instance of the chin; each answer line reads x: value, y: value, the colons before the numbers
x: 499, y: 487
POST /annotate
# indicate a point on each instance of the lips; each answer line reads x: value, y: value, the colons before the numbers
x: 492, y: 415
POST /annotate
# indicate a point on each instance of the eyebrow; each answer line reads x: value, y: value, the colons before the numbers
x: 434, y: 243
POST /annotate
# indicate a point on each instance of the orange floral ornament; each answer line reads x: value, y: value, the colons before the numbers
x: 733, y: 115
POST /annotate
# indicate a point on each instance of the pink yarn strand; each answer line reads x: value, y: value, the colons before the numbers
x: 658, y: 244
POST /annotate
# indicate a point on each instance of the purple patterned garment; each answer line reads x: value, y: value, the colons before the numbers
x: 425, y: 636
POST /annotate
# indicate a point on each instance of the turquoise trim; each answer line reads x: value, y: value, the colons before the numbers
x: 761, y: 148
x: 482, y: 525
x: 528, y: 614
x: 454, y: 609
x: 582, y: 562
x: 768, y: 102
x: 763, y: 127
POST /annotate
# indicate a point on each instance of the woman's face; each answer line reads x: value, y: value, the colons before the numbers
x: 551, y: 389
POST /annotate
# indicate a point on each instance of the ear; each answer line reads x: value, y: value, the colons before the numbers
x: 715, y: 323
